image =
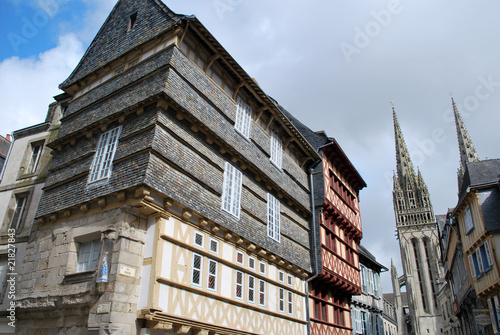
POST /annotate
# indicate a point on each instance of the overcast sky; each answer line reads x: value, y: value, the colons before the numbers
x: 335, y: 65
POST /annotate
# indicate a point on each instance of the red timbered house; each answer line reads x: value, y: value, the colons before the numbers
x: 336, y: 200
x: 336, y: 234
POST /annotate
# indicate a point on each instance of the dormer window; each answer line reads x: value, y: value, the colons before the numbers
x: 131, y: 21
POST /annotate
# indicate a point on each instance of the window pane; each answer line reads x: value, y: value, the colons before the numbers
x: 101, y: 165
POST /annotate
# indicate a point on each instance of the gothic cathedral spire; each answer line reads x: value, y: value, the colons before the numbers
x: 418, y: 241
x: 403, y: 162
x: 467, y: 151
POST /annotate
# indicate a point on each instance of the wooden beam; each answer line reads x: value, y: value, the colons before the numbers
x: 237, y: 89
x: 211, y: 61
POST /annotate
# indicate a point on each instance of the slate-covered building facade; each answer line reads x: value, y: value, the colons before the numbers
x: 178, y: 198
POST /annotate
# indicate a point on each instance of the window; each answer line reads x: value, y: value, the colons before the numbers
x: 214, y: 246
x: 198, y: 239
x: 101, y: 166
x: 132, y: 20
x: 240, y: 257
x: 239, y: 285
x: 262, y: 267
x: 17, y: 217
x: 364, y: 279
x: 273, y: 217
x: 251, y: 263
x: 251, y: 289
x: 262, y: 292
x: 486, y: 257
x: 289, y: 280
x: 469, y: 223
x: 276, y: 150
x: 481, y: 260
x: 290, y: 302
x: 88, y: 255
x: 3, y: 275
x: 196, y: 271
x: 36, y: 153
x: 212, y: 274
x: 281, y: 276
x: 231, y: 192
x: 364, y: 325
x: 494, y: 305
x: 281, y: 299
x: 243, y: 118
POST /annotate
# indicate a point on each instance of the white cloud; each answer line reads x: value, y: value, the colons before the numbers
x: 27, y: 86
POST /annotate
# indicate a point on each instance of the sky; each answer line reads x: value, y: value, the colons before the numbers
x: 336, y: 65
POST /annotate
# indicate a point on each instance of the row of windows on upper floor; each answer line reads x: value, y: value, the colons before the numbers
x: 370, y: 282
x: 101, y: 169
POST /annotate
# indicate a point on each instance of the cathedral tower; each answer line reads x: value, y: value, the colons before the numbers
x: 418, y: 240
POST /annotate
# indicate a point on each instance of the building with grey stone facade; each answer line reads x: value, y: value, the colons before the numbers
x: 177, y: 199
x: 21, y: 187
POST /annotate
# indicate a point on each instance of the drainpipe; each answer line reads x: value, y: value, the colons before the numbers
x: 313, y: 225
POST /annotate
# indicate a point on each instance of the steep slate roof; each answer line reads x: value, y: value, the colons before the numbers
x: 368, y: 256
x: 484, y: 176
x: 114, y: 39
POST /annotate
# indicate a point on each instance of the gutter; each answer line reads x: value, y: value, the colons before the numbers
x: 313, y: 225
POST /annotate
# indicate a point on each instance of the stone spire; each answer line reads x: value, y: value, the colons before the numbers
x: 467, y: 151
x: 404, y: 165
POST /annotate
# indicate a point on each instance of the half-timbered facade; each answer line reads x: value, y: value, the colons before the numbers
x: 178, y: 199
x: 477, y: 218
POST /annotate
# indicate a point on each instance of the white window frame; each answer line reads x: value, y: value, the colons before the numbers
x: 251, y: 288
x: 213, y: 274
x: 239, y: 284
x: 262, y: 292
x: 102, y: 165
x: 19, y: 211
x: 90, y: 263
x: 488, y: 262
x: 468, y: 220
x: 199, y: 270
x: 36, y: 154
x: 281, y: 299
x: 290, y: 302
x: 213, y: 241
x: 273, y: 217
x: 243, y: 118
x: 262, y: 268
x: 238, y: 253
x: 199, y: 245
x: 276, y: 150
x: 281, y: 276
x: 251, y: 260
x: 231, y: 190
